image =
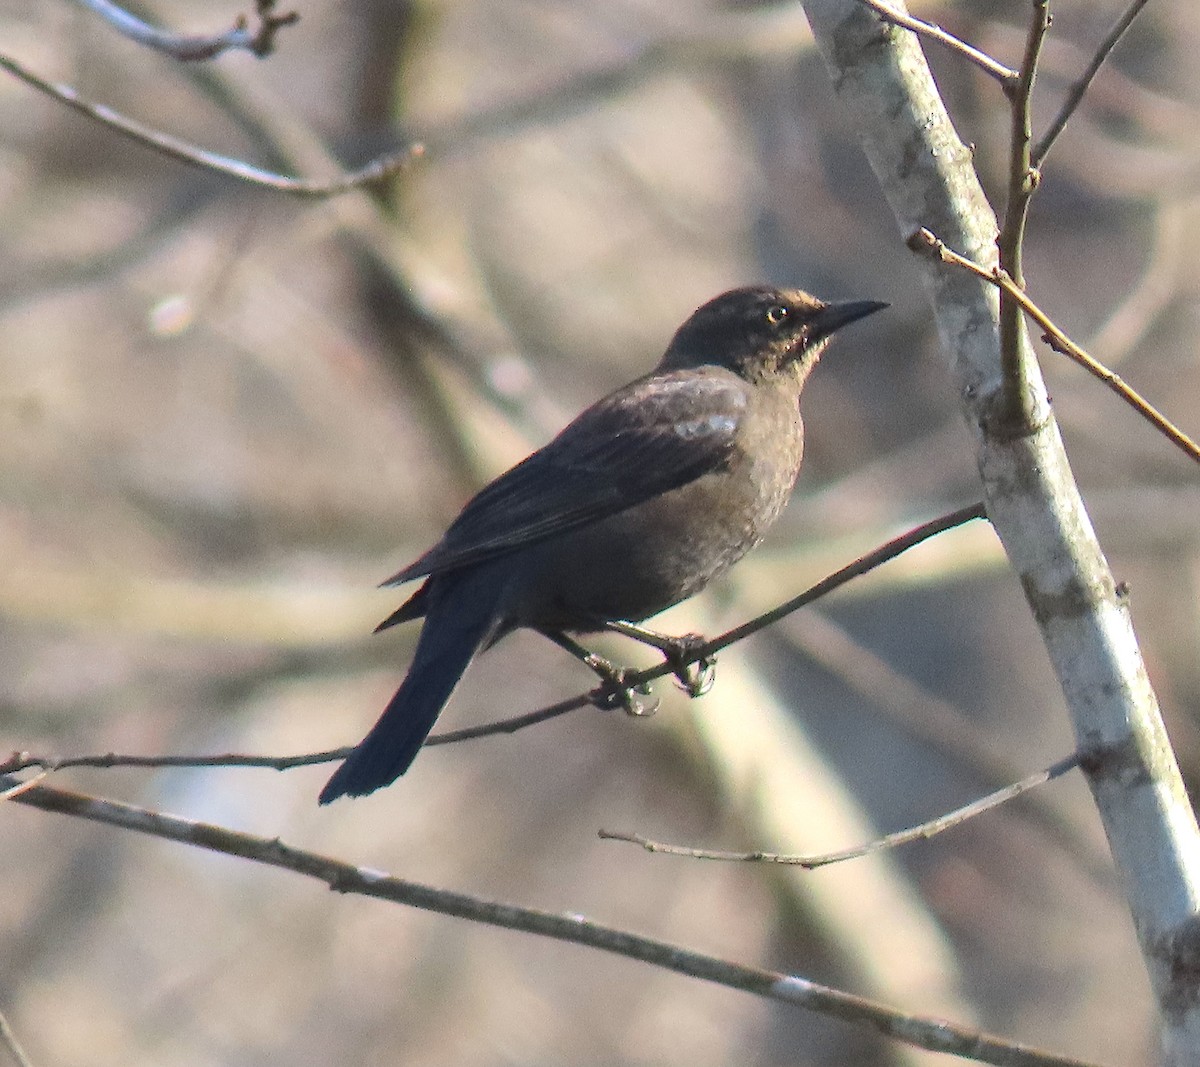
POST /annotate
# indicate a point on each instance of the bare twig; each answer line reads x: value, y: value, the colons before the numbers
x: 1076, y: 93
x: 869, y: 562
x: 599, y: 697
x: 1022, y: 183
x: 934, y: 1034
x: 940, y: 725
x: 924, y: 241
x: 376, y: 170
x: 922, y: 832
x: 991, y: 67
x: 20, y: 761
x: 192, y: 48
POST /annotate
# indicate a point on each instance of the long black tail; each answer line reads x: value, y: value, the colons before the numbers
x: 459, y: 623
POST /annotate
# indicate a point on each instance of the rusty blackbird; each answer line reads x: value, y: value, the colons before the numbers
x: 638, y: 504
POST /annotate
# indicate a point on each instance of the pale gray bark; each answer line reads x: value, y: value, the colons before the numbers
x: 926, y: 173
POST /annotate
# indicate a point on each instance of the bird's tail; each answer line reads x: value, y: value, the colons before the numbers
x: 456, y: 628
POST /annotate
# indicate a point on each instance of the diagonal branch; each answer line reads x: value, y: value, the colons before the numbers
x: 934, y: 1034
x: 376, y: 170
x: 993, y: 68
x: 600, y: 697
x: 924, y: 241
x: 9, y: 1040
x: 259, y: 41
x: 1035, y: 506
x: 922, y: 832
x: 1076, y: 93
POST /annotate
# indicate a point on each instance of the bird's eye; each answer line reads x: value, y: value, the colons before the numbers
x: 776, y: 314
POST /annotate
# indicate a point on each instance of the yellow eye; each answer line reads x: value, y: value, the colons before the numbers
x: 776, y: 314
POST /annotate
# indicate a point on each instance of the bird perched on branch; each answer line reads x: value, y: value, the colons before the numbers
x: 637, y: 505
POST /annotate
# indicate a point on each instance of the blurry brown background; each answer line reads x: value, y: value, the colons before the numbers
x: 226, y: 414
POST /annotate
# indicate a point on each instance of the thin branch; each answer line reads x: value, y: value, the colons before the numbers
x: 922, y: 832
x: 933, y: 1034
x: 376, y: 170
x: 1076, y: 92
x: 889, y: 550
x: 1023, y: 181
x: 991, y: 67
x: 20, y: 761
x: 189, y: 48
x: 926, y: 242
x: 600, y: 697
x: 942, y: 726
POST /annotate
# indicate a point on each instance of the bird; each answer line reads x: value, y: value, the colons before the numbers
x: 641, y: 501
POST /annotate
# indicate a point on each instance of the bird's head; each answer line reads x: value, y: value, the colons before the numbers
x: 759, y: 332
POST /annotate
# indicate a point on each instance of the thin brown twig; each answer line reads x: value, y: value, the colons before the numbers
x: 599, y: 697
x: 926, y: 242
x: 991, y: 67
x: 1022, y: 183
x: 922, y: 832
x: 889, y: 550
x: 20, y: 761
x: 193, y: 48
x: 1077, y: 90
x: 942, y: 726
x: 376, y: 170
x: 341, y: 877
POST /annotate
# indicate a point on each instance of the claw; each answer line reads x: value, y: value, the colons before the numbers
x: 620, y: 694
x: 694, y: 678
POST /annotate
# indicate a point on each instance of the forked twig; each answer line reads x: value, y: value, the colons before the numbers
x: 926, y: 242
x: 192, y: 48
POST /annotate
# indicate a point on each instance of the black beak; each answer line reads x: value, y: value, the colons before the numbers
x: 832, y: 317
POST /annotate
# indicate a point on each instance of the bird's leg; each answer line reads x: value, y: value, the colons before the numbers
x: 694, y: 677
x: 613, y: 677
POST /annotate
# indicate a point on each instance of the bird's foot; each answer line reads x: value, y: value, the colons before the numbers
x: 694, y: 676
x: 618, y: 692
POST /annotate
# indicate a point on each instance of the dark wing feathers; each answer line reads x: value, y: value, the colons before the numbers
x: 650, y: 437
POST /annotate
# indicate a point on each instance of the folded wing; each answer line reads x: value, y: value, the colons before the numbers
x: 648, y: 438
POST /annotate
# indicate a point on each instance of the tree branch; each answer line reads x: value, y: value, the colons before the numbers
x: 922, y: 832
x: 1035, y: 506
x: 165, y: 144
x: 924, y: 241
x: 993, y: 68
x: 1076, y: 93
x: 1023, y: 181
x: 933, y: 1034
x: 259, y: 42
x: 599, y: 697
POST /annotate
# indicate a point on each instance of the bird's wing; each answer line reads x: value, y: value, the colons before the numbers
x: 655, y: 435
